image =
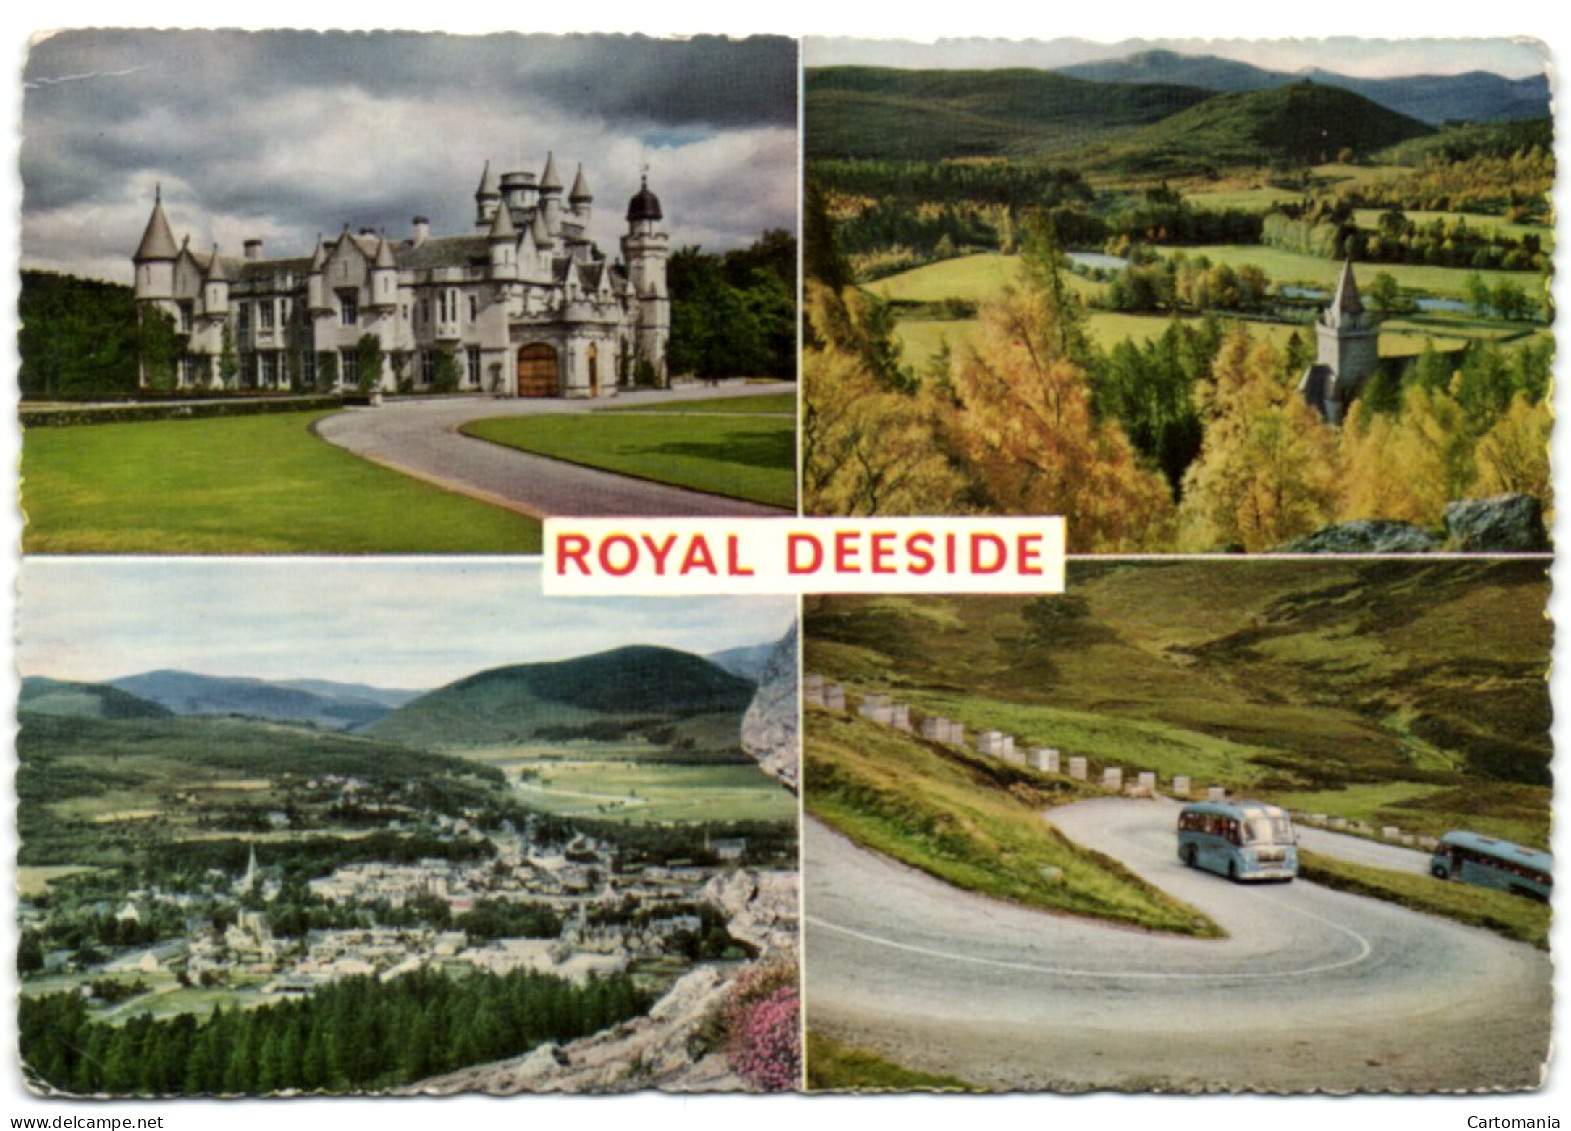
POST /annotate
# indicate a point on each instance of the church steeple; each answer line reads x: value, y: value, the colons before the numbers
x: 1346, y: 303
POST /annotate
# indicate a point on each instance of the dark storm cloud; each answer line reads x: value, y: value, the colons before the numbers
x: 287, y: 134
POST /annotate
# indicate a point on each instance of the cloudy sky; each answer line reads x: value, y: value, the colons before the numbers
x: 1368, y: 58
x: 284, y: 135
x: 386, y: 622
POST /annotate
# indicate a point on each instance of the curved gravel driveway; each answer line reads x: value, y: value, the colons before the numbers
x: 421, y: 438
x: 1312, y: 990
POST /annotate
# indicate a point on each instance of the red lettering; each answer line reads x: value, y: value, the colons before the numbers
x: 631, y: 550
x: 699, y: 557
x: 882, y: 551
x: 733, y: 561
x: 1028, y: 547
x: 1001, y: 554
x: 572, y: 548
x: 917, y: 547
x: 814, y: 547
x: 949, y: 553
x: 845, y: 551
x: 659, y: 550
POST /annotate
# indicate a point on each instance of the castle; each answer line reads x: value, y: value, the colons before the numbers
x: 525, y: 305
x: 1347, y: 352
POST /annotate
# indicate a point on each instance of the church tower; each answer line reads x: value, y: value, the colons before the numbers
x: 1347, y: 352
x: 645, y: 249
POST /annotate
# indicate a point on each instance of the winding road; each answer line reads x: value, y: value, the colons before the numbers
x: 420, y: 438
x: 1313, y: 990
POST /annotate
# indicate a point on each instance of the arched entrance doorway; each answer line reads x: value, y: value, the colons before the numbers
x: 537, y: 371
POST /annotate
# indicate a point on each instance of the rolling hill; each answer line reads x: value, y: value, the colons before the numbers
x: 880, y: 112
x: 319, y: 702
x: 1302, y: 124
x: 672, y: 699
x: 84, y: 700
x: 1476, y: 96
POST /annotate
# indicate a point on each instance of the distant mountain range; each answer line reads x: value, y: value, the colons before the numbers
x: 1155, y: 111
x: 1476, y: 96
x: 684, y: 707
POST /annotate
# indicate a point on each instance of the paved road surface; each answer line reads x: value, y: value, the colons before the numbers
x: 421, y: 438
x: 1312, y: 990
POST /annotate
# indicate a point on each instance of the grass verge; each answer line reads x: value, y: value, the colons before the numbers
x: 741, y: 457
x: 240, y: 485
x: 834, y: 1067
x: 972, y: 822
x: 763, y: 404
x: 1510, y: 915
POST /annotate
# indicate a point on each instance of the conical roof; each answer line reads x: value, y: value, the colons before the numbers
x: 538, y: 229
x: 215, y: 268
x: 502, y: 224
x: 580, y: 193
x: 158, y: 242
x: 487, y: 187
x: 1347, y: 301
x: 549, y: 180
x: 384, y: 253
x: 319, y: 256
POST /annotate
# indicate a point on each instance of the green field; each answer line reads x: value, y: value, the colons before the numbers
x: 1291, y: 268
x: 239, y: 485
x: 765, y: 404
x: 1242, y: 200
x: 834, y: 1067
x: 1491, y: 225
x: 741, y: 457
x: 646, y: 793
x: 970, y: 278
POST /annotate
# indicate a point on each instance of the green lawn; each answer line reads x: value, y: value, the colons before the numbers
x: 765, y: 404
x: 741, y: 457
x: 1491, y: 225
x: 1243, y: 200
x: 239, y: 485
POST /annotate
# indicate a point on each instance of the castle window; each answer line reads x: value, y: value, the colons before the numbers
x: 474, y: 308
x: 185, y: 317
x: 267, y: 369
x: 349, y: 366
x: 264, y: 314
x: 243, y: 318
x: 472, y: 363
x: 425, y: 311
x: 348, y: 308
x: 427, y: 366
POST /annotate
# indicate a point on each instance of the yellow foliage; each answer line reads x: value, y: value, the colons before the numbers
x: 1513, y: 456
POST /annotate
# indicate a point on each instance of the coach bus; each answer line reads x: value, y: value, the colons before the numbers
x: 1242, y: 840
x: 1483, y: 860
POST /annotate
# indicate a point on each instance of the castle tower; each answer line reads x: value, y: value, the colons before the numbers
x: 1347, y: 352
x: 487, y: 197
x: 645, y: 250
x: 384, y: 276
x: 155, y: 255
x: 551, y: 196
x: 580, y: 198
x: 215, y: 287
x: 503, y: 241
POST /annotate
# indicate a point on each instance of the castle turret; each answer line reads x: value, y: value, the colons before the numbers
x: 645, y: 250
x: 487, y: 198
x: 503, y: 241
x: 215, y: 287
x: 384, y: 276
x: 580, y: 198
x: 155, y: 255
x: 551, y: 196
x: 316, y: 282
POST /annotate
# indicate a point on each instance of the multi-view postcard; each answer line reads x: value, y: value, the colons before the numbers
x: 321, y: 790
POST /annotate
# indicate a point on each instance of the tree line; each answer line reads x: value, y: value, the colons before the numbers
x: 734, y: 315
x: 355, y: 1035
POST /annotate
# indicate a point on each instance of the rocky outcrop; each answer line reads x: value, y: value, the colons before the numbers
x: 1364, y: 536
x: 770, y: 729
x: 1504, y: 524
x: 671, y: 1048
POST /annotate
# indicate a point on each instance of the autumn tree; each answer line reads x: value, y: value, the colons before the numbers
x: 1267, y: 466
x: 1024, y: 425
x: 1513, y: 456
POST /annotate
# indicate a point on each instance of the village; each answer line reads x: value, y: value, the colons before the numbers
x: 512, y: 897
